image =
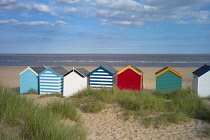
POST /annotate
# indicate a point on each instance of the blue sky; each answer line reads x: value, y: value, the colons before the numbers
x: 105, y: 26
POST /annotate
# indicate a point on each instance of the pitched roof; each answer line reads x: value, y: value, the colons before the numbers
x: 110, y: 69
x: 134, y: 68
x: 200, y: 71
x: 81, y: 71
x: 38, y: 69
x: 167, y: 68
x: 60, y: 70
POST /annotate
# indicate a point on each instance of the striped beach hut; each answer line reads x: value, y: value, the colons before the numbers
x: 201, y: 81
x: 130, y: 78
x: 75, y: 80
x: 29, y: 79
x: 51, y: 80
x: 103, y: 77
x: 168, y: 79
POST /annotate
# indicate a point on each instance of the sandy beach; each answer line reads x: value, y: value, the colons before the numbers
x: 109, y: 123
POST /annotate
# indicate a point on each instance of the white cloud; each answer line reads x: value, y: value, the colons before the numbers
x: 73, y: 1
x: 7, y: 2
x: 135, y: 13
x: 182, y: 22
x: 108, y: 36
x: 26, y: 15
x: 11, y: 21
x: 34, y: 23
x: 17, y: 7
x: 59, y: 23
x: 15, y: 22
x: 41, y: 8
x: 76, y: 11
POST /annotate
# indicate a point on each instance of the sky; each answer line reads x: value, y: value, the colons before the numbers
x: 104, y: 26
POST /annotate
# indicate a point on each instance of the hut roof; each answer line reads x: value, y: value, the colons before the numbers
x: 60, y: 70
x: 36, y: 70
x: 134, y: 68
x: 110, y: 69
x: 81, y: 71
x: 200, y: 71
x: 165, y: 69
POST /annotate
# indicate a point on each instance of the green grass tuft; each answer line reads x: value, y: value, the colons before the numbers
x: 93, y: 107
x: 66, y: 109
x: 33, y: 121
x: 52, y: 95
x: 166, y: 119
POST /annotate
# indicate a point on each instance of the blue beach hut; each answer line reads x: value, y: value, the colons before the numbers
x: 51, y: 80
x: 29, y: 79
x: 104, y: 76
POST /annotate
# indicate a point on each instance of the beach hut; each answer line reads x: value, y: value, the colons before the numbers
x: 168, y: 79
x: 29, y: 79
x: 103, y: 77
x: 75, y: 80
x: 130, y: 78
x: 51, y: 80
x: 201, y: 81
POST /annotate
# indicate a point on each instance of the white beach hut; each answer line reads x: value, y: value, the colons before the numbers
x: 75, y: 80
x: 201, y: 81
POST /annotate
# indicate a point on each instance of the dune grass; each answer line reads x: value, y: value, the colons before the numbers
x: 177, y: 106
x: 66, y: 109
x: 51, y: 95
x: 33, y: 121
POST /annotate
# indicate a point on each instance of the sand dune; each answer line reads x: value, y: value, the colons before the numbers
x: 109, y: 123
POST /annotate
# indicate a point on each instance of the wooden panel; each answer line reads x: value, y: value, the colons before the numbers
x: 100, y: 78
x: 129, y: 79
x: 168, y: 81
x: 50, y: 82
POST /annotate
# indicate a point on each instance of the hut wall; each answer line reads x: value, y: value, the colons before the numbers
x: 203, y: 85
x: 73, y: 83
x: 100, y: 78
x: 28, y: 80
x: 168, y: 81
x: 50, y: 83
x: 129, y: 79
x: 195, y: 83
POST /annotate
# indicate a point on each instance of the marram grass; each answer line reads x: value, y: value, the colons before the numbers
x: 177, y: 106
x: 34, y: 122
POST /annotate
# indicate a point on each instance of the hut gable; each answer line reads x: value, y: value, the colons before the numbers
x: 80, y: 71
x: 133, y: 68
x: 168, y: 79
x: 167, y: 68
x: 130, y: 78
x: 29, y: 79
x: 75, y: 80
x: 201, y: 81
x: 51, y: 80
x: 103, y: 76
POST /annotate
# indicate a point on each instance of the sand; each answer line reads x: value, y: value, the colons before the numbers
x: 109, y: 123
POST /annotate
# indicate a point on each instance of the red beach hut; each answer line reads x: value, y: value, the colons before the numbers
x: 130, y: 78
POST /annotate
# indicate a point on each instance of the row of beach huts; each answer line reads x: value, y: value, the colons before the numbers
x: 59, y: 80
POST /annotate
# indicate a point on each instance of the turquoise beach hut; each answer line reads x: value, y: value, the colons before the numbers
x: 168, y: 79
x: 51, y: 80
x: 29, y: 79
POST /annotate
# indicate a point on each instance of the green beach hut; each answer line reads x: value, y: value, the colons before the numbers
x: 168, y: 79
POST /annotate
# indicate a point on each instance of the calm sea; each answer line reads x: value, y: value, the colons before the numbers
x: 140, y: 60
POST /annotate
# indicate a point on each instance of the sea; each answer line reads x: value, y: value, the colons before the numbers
x: 115, y: 60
